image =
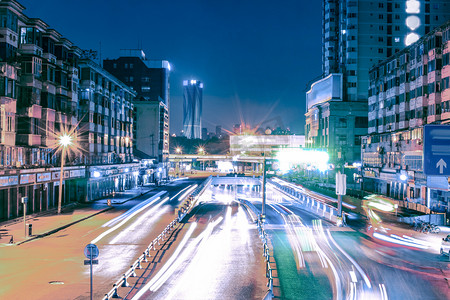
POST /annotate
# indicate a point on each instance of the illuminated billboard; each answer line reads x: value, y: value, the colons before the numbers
x: 324, y: 90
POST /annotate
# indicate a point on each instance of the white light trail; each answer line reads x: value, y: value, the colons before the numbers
x: 131, y: 213
x: 360, y: 270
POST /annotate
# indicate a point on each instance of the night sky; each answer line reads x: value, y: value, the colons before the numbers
x: 255, y: 58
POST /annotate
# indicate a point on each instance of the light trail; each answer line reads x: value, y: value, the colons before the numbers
x: 129, y: 215
x: 150, y: 213
x: 360, y: 270
x: 134, y: 210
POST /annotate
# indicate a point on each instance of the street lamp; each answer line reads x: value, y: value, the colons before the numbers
x: 201, y: 151
x: 178, y: 150
x: 65, y: 140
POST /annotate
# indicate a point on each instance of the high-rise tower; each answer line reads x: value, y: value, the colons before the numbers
x: 192, y: 109
x: 357, y: 34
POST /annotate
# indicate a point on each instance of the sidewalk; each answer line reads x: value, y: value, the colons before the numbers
x: 49, y: 222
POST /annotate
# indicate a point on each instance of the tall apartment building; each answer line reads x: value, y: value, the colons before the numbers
x: 150, y: 79
x: 192, y: 109
x: 357, y: 35
x: 39, y: 99
x: 406, y: 92
x: 106, y: 131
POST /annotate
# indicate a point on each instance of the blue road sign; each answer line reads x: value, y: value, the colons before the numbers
x: 436, y: 150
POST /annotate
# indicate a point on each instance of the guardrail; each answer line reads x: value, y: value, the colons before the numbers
x: 310, y: 203
x: 266, y: 254
x: 131, y: 272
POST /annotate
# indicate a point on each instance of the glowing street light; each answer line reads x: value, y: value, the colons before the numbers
x: 65, y: 140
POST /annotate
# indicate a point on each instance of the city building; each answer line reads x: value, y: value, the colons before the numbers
x: 106, y: 131
x: 204, y: 133
x: 40, y: 101
x: 357, y: 35
x: 150, y: 78
x: 407, y: 91
x: 219, y: 131
x: 192, y: 109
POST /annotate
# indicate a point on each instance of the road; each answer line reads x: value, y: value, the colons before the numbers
x: 52, y: 267
x: 316, y: 260
x: 219, y: 256
x: 216, y: 253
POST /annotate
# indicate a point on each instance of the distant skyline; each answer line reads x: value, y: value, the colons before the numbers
x: 254, y: 58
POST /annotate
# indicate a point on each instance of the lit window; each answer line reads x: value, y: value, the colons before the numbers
x: 397, y: 39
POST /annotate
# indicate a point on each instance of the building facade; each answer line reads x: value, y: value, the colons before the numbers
x: 106, y: 131
x: 192, y: 109
x: 39, y: 100
x: 406, y: 92
x: 150, y: 79
x: 357, y: 35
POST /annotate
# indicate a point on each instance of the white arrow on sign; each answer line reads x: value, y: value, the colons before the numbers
x: 441, y: 165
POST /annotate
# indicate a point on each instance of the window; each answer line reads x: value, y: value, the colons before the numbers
x: 380, y: 38
x: 380, y: 5
x: 397, y: 28
x: 114, y: 65
x: 126, y: 66
x: 380, y: 27
x: 380, y: 16
x: 397, y: 17
x: 361, y: 122
x: 131, y: 66
x: 445, y: 83
x: 131, y: 78
x: 342, y: 123
x: 380, y: 50
x: 145, y: 79
x: 145, y: 89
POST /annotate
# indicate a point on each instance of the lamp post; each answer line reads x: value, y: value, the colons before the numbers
x: 201, y: 151
x: 64, y: 141
x: 178, y: 150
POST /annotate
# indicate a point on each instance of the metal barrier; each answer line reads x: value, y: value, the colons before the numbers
x: 310, y: 203
x: 131, y: 272
x: 266, y: 254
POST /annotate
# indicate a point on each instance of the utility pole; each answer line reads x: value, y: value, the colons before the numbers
x: 263, y: 209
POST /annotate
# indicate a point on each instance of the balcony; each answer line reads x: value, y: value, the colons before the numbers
x: 7, y: 138
x: 29, y: 139
x: 433, y: 118
x: 99, y: 128
x: 61, y: 118
x: 30, y: 49
x: 35, y: 111
x: 48, y: 114
x: 403, y: 124
x: 48, y: 141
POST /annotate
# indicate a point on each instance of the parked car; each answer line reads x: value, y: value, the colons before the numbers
x: 445, y: 245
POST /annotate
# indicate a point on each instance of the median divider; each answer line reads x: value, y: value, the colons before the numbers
x: 131, y: 272
x: 266, y: 254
